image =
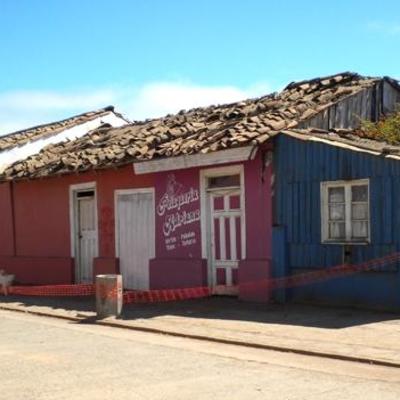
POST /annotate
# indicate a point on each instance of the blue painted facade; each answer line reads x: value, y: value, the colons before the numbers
x: 300, y: 167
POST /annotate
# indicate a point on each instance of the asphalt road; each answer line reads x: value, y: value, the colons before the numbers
x: 45, y: 358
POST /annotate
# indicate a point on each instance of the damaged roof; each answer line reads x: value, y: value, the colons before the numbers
x: 19, y: 138
x: 346, y: 138
x: 200, y: 130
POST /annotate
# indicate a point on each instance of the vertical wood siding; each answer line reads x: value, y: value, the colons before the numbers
x: 300, y: 167
x: 369, y: 104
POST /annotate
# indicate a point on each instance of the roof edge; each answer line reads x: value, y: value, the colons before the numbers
x: 109, y: 108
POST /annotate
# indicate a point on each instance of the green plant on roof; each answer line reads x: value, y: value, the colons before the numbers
x: 386, y: 129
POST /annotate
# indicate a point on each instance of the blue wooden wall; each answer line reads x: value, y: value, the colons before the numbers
x: 300, y: 167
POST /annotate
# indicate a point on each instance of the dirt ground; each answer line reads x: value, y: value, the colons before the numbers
x: 46, y: 358
x: 338, y: 331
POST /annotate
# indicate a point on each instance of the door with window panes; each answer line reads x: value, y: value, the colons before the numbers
x: 86, y: 233
x: 346, y: 212
x: 226, y: 244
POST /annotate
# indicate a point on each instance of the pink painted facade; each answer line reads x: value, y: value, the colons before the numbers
x: 177, y: 200
x: 35, y: 239
x: 181, y: 257
x: 178, y: 261
x: 36, y: 234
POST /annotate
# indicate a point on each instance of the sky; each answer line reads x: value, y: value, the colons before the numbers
x: 149, y: 58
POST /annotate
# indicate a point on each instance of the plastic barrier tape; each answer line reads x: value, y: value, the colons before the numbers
x: 164, y: 295
x: 53, y: 290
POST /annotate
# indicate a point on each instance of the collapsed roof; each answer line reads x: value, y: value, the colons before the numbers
x: 20, y: 145
x: 18, y: 138
x: 337, y: 101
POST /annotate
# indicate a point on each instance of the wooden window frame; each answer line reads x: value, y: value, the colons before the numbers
x: 325, y: 186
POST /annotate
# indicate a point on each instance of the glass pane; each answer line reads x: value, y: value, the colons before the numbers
x: 336, y: 195
x: 336, y: 212
x: 337, y: 230
x: 86, y: 193
x: 360, y: 229
x: 359, y: 193
x: 359, y: 211
x: 224, y: 181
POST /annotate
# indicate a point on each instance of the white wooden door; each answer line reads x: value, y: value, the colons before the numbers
x: 87, y: 237
x: 226, y: 239
x: 135, y: 237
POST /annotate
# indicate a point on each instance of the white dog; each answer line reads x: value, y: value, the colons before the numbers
x: 5, y: 281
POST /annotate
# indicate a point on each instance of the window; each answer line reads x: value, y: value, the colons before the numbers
x: 223, y: 181
x: 345, y: 211
x: 85, y: 193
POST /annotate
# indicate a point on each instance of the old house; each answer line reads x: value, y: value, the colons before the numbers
x: 30, y: 220
x: 19, y: 145
x: 226, y: 196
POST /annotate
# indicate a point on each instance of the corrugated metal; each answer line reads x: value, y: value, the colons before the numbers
x: 300, y: 167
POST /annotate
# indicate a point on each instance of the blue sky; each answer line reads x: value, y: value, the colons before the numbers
x: 153, y: 57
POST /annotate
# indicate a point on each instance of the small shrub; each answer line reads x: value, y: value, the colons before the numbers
x: 386, y: 129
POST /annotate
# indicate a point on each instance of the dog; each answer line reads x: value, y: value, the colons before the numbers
x: 5, y: 281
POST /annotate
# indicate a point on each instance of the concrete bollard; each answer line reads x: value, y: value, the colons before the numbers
x: 108, y: 295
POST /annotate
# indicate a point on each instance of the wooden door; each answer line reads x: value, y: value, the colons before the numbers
x: 226, y: 239
x: 136, y: 237
x: 87, y: 236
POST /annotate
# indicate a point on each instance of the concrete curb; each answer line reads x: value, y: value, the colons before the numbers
x: 41, y: 313
x: 116, y: 324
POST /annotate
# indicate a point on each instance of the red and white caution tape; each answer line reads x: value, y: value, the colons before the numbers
x: 164, y: 295
x: 332, y: 272
x: 53, y: 290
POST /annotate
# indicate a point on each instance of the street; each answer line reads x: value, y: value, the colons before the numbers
x: 47, y: 358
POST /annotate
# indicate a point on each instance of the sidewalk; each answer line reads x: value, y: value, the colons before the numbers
x: 332, y: 332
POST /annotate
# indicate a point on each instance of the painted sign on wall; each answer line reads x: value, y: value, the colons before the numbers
x: 178, y: 215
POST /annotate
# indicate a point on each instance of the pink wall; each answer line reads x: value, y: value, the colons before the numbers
x: 42, y: 211
x: 258, y: 209
x: 255, y: 270
x: 42, y: 218
x: 42, y: 226
x: 177, y: 199
x: 6, y: 222
x: 105, y: 265
x: 178, y: 260
x: 172, y: 273
x: 178, y: 232
x: 107, y: 182
x: 39, y: 270
x: 177, y: 193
